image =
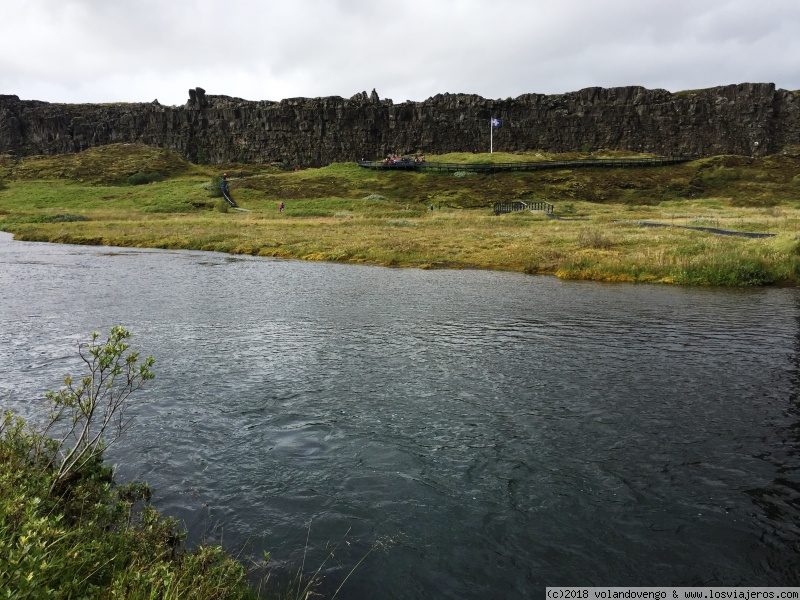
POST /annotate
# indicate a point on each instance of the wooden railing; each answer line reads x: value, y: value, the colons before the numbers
x: 227, y: 195
x: 542, y: 206
x: 501, y: 208
x: 412, y: 165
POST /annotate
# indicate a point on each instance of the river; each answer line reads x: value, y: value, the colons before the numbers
x: 469, y: 434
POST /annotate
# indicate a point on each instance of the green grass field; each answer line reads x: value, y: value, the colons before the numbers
x: 346, y: 213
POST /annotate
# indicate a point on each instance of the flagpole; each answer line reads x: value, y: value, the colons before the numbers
x: 491, y: 134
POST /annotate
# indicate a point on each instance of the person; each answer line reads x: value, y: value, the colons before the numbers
x: 281, y: 207
x: 224, y: 183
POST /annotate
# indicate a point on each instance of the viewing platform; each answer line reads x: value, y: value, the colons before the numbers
x: 410, y: 164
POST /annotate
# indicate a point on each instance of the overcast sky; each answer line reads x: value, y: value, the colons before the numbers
x: 141, y: 50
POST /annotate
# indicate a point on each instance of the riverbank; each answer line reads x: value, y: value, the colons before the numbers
x: 403, y: 219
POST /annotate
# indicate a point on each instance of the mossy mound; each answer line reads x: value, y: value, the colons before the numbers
x: 104, y: 165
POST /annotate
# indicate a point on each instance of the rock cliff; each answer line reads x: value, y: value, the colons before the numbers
x: 735, y: 119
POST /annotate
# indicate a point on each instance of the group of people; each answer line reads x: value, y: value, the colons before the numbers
x: 393, y: 159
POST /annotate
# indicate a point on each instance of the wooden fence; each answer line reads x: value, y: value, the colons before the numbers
x: 501, y: 208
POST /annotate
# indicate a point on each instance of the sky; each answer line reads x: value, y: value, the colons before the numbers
x: 97, y: 51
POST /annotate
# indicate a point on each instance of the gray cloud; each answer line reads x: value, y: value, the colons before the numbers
x: 126, y: 50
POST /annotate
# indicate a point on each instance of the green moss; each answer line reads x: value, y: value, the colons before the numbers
x: 112, y: 164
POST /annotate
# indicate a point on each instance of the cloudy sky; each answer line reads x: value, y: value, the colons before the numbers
x: 141, y: 50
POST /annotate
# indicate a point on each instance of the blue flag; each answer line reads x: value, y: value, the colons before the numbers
x: 495, y: 122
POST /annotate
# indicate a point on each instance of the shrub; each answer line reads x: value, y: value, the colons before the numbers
x: 729, y: 271
x: 141, y: 178
x: 65, y: 530
x: 594, y: 238
x: 216, y: 186
x: 703, y: 222
x: 59, y: 218
x: 566, y: 208
x: 87, y: 410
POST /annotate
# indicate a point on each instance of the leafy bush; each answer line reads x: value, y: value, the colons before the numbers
x: 141, y: 178
x: 65, y: 530
x: 216, y: 186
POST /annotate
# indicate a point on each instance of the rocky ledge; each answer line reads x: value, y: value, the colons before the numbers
x: 735, y: 119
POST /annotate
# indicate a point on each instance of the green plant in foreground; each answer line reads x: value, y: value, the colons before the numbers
x: 95, y: 406
x: 65, y: 530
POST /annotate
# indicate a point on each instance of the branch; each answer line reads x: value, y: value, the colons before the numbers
x: 98, y: 403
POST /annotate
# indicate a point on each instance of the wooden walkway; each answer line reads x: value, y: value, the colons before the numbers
x: 715, y: 230
x: 614, y: 163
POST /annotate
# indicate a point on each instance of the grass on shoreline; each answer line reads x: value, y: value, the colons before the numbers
x: 346, y: 213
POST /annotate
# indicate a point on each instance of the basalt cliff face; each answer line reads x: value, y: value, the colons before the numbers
x: 735, y: 119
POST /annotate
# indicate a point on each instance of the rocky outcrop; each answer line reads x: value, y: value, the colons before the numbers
x: 735, y: 119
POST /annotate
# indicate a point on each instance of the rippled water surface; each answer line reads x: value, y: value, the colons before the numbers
x: 489, y: 434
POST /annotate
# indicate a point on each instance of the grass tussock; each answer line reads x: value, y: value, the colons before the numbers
x: 346, y: 213
x: 594, y: 238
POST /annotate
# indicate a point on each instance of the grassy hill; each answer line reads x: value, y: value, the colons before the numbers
x: 133, y: 195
